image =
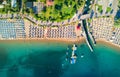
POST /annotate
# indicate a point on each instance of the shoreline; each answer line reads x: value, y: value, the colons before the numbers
x: 49, y: 40
x: 108, y: 43
x: 62, y: 40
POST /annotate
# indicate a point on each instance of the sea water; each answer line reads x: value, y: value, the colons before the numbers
x: 48, y: 59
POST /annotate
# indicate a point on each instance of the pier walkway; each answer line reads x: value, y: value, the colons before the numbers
x: 86, y: 35
x: 86, y: 16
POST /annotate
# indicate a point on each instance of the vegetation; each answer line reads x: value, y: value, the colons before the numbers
x: 1, y: 1
x: 42, y: 1
x: 31, y: 0
x: 61, y: 10
x: 108, y: 9
x: 100, y: 10
x: 117, y: 23
x: 89, y: 20
x: 7, y: 7
x: 119, y: 4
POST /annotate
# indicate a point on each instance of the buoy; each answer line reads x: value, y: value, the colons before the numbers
x: 82, y: 56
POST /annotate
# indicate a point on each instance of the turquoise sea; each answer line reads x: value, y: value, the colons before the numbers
x: 40, y: 59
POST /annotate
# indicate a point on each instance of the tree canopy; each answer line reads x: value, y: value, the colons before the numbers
x: 61, y: 10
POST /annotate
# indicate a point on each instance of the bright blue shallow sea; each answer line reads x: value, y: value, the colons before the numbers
x: 38, y: 59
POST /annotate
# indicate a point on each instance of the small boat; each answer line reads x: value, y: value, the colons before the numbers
x: 73, y: 59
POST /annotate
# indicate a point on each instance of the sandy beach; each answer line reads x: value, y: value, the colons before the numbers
x: 103, y: 41
x: 49, y: 40
x: 62, y: 40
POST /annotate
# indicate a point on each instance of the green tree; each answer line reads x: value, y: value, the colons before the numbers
x: 58, y: 7
x: 75, y: 7
x: 31, y: 10
x: 66, y: 2
x: 44, y: 9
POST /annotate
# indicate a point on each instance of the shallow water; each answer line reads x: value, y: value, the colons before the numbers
x: 38, y: 59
